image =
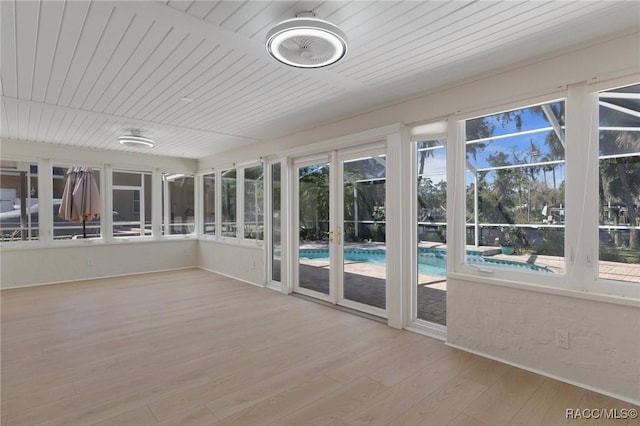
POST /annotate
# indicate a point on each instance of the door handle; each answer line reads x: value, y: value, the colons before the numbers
x: 339, y: 235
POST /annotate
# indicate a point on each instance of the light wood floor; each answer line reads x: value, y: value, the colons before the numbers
x: 191, y: 347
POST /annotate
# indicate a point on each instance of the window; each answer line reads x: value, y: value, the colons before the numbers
x: 431, y: 167
x: 69, y: 221
x: 515, y: 182
x: 131, y: 204
x: 619, y: 184
x: 253, y: 203
x: 18, y: 201
x: 177, y: 204
x: 276, y: 221
x: 209, y: 203
x: 228, y: 199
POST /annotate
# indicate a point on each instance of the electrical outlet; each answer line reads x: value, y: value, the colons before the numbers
x: 562, y: 338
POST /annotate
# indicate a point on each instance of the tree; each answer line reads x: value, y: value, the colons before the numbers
x: 620, y: 178
x: 314, y: 202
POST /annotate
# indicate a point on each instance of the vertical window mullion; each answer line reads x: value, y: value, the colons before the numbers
x: 240, y: 203
x: 218, y: 203
x: 456, y: 169
x: 156, y: 202
x: 198, y: 206
x: 581, y: 205
x: 45, y: 192
x: 107, y: 198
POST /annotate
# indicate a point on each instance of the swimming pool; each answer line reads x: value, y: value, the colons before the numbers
x: 431, y: 261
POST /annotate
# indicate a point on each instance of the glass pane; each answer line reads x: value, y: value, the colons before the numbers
x: 228, y: 201
x: 364, y: 234
x: 89, y: 227
x: 209, y: 203
x: 431, y: 187
x: 131, y: 204
x: 619, y: 185
x: 276, y: 207
x: 515, y: 182
x: 178, y: 197
x: 253, y: 203
x: 313, y: 267
x: 18, y: 201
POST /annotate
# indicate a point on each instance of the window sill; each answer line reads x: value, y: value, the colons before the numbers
x: 39, y: 245
x: 258, y: 244
x: 539, y: 288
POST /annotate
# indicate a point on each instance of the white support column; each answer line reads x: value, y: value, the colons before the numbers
x: 456, y: 193
x: 410, y: 239
x: 289, y: 226
x: 45, y: 198
x: 106, y: 223
x: 198, y: 203
x: 398, y: 228
x: 240, y: 203
x: 156, y: 204
x: 581, y: 195
x: 268, y: 220
x: 218, y: 203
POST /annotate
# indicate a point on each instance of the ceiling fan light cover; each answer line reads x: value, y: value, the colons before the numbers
x: 306, y: 43
x: 133, y: 141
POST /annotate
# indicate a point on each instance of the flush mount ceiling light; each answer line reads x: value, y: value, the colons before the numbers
x: 134, y: 140
x: 306, y: 42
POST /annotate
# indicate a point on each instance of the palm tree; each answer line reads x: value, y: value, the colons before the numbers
x: 620, y: 177
x: 478, y: 128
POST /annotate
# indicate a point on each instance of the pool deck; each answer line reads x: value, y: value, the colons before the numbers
x: 365, y: 282
x: 608, y: 270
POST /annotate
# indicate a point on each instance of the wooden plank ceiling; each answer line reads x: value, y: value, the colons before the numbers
x: 82, y: 73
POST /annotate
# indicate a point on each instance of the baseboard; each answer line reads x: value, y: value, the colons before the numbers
x: 549, y: 375
x: 231, y: 276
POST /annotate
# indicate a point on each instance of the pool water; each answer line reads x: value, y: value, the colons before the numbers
x: 431, y: 261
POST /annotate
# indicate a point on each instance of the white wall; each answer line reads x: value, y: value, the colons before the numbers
x: 26, y: 267
x: 242, y: 261
x: 518, y: 326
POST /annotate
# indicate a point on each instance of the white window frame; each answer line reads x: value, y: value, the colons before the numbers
x: 219, y: 177
x: 200, y: 206
x: 111, y: 237
x: 457, y: 162
x: 268, y: 225
x: 581, y: 176
x: 422, y: 132
x: 49, y: 225
x: 240, y: 186
x: 166, y: 207
x: 43, y: 228
x: 590, y: 255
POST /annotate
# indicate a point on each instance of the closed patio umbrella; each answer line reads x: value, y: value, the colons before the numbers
x: 80, y: 198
